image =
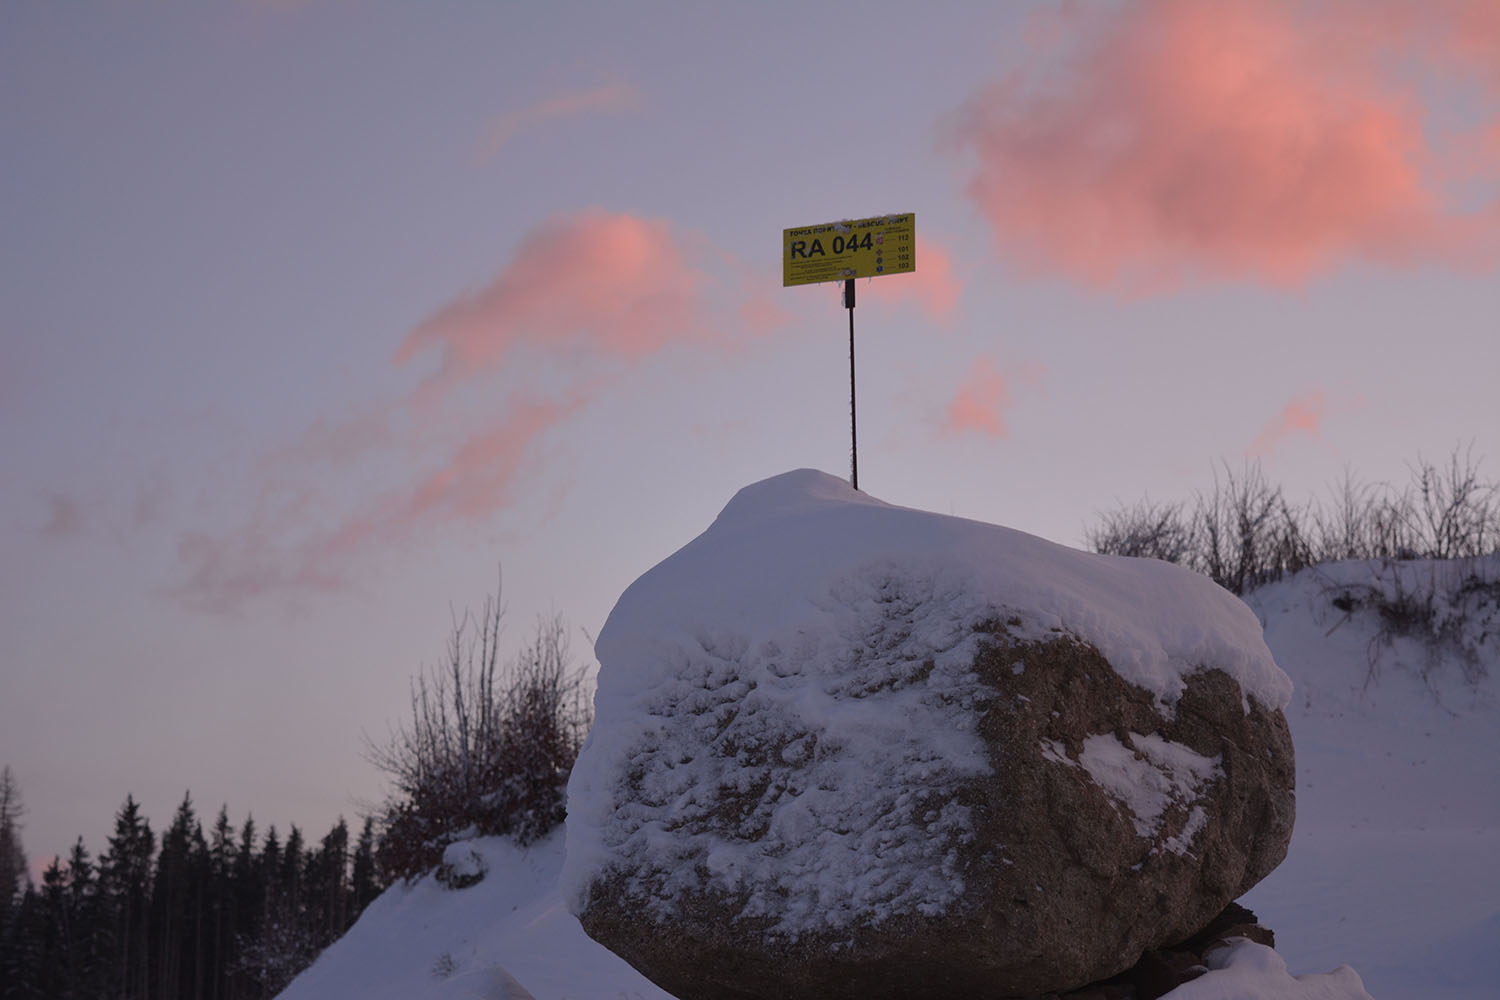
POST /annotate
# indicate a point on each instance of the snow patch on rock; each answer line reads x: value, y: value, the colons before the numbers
x: 1147, y: 778
x: 1244, y: 970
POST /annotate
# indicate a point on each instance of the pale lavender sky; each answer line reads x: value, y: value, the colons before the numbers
x: 314, y: 313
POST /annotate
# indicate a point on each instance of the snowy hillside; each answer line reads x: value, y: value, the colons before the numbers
x: 1395, y: 862
x: 1394, y: 867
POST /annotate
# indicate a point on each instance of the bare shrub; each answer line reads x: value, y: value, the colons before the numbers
x: 1342, y: 529
x: 444, y: 966
x: 1244, y: 533
x: 1458, y: 514
x: 1247, y: 534
x: 487, y: 751
x: 1145, y: 529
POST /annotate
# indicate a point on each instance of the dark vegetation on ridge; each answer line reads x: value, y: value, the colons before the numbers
x: 1435, y: 543
x: 233, y: 914
x: 225, y: 914
x: 1244, y: 532
x: 487, y: 750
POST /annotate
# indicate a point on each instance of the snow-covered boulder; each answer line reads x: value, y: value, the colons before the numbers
x: 846, y: 749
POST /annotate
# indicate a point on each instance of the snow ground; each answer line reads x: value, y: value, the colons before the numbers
x: 426, y: 942
x: 1394, y: 867
x: 1395, y: 862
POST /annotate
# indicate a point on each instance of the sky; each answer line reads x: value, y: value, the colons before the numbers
x: 318, y: 318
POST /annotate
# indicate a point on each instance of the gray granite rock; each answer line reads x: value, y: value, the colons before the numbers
x: 1105, y: 825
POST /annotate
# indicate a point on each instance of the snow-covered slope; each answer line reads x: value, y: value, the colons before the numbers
x: 427, y: 942
x: 1394, y: 867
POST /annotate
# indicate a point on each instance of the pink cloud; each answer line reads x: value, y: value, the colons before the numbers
x: 584, y: 297
x: 224, y: 571
x: 151, y: 497
x: 611, y: 98
x: 1178, y: 140
x: 983, y: 397
x: 338, y: 442
x: 581, y: 288
x: 474, y: 481
x: 758, y: 292
x: 933, y: 286
x: 1302, y: 415
x: 606, y: 283
x: 64, y: 517
x: 761, y: 311
x: 477, y: 480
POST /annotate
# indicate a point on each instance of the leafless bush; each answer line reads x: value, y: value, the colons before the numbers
x: 1246, y: 533
x: 1458, y: 514
x: 1365, y: 521
x: 487, y: 751
x: 1243, y: 533
x: 1145, y: 529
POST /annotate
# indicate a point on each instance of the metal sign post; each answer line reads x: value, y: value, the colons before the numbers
x: 853, y: 426
x: 844, y: 251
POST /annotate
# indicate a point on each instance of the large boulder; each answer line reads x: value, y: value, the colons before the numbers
x: 846, y: 749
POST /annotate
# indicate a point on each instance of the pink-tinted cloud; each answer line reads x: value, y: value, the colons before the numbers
x: 760, y: 311
x: 581, y: 289
x: 64, y: 517
x: 1175, y: 140
x: 983, y: 397
x: 1302, y: 415
x: 477, y: 479
x: 338, y: 442
x: 596, y: 282
x: 224, y: 571
x: 151, y: 496
x: 757, y: 292
x: 584, y: 297
x: 933, y: 286
x: 610, y: 98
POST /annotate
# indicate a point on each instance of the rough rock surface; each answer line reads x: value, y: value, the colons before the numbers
x: 930, y: 797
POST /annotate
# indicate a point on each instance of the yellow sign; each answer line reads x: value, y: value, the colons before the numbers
x: 864, y: 248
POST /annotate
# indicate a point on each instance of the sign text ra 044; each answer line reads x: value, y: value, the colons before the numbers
x: 862, y: 248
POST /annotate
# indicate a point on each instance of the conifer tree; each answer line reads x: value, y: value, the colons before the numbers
x: 12, y: 855
x: 249, y: 911
x: 170, y: 892
x: 188, y: 918
x: 365, y: 880
x: 89, y: 938
x: 23, y: 954
x: 289, y: 899
x: 125, y: 885
x: 221, y: 919
x: 270, y: 861
x: 327, y: 886
x: 52, y: 975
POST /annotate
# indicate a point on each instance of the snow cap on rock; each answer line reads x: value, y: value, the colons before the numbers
x: 768, y: 561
